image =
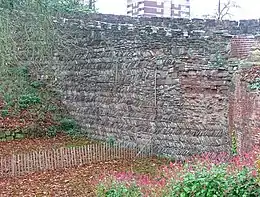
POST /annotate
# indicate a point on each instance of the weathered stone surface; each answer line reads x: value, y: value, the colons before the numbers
x: 148, y: 80
x: 158, y: 81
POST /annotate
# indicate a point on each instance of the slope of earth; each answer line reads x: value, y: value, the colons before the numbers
x: 29, y: 108
x: 29, y: 104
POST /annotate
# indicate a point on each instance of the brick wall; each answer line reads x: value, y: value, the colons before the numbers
x: 241, y: 45
x: 245, y: 120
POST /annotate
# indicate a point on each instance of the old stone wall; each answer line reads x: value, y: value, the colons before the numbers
x: 164, y: 82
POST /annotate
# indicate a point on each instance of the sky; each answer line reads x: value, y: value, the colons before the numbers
x: 249, y: 9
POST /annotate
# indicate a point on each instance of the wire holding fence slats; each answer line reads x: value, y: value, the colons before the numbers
x: 65, y: 157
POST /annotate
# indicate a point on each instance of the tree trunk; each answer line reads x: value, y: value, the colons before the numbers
x: 219, y: 9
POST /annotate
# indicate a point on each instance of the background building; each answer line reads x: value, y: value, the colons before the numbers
x: 159, y: 8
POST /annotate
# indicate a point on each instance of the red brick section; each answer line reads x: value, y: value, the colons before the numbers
x: 244, y: 114
x: 240, y: 46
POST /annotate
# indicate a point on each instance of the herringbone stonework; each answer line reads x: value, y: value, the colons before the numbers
x: 164, y: 82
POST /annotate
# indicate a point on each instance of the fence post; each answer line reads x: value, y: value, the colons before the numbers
x: 61, y: 157
x: 1, y: 167
x: 68, y: 157
x: 13, y: 163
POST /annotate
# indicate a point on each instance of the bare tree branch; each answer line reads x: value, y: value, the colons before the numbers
x: 224, y: 9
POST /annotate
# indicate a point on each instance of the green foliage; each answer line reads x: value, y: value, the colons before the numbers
x: 67, y: 124
x: 6, y: 42
x: 27, y: 100
x: 234, y: 144
x: 111, y: 140
x: 258, y: 169
x: 70, y: 127
x: 27, y: 40
x: 200, y: 181
x: 243, y: 184
x: 46, y: 5
x: 255, y: 85
x: 36, y: 84
x: 21, y: 71
x: 118, y: 190
x: 74, y: 133
x: 52, y: 131
x: 67, y: 6
x: 218, y: 61
x: 51, y: 108
x: 4, y: 113
x: 15, y: 89
x: 215, y: 182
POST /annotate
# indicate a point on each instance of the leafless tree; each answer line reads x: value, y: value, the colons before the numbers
x: 224, y: 9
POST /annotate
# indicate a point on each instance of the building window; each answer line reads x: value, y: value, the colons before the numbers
x: 158, y: 10
x: 160, y: 3
x: 141, y: 12
x: 185, y: 9
x: 176, y: 12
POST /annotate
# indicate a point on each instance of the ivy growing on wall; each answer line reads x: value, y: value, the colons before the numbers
x: 218, y: 60
x: 234, y: 143
x: 255, y: 85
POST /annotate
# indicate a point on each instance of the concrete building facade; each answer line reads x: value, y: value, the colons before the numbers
x: 159, y: 8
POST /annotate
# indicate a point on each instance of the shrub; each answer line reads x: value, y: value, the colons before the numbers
x: 111, y: 140
x: 234, y: 144
x: 36, y: 84
x: 70, y: 127
x: 4, y: 113
x: 204, y: 175
x: 258, y: 169
x: 29, y: 99
x: 67, y: 124
x: 52, y: 131
x: 118, y: 190
x: 216, y: 182
x: 255, y: 85
x: 244, y: 183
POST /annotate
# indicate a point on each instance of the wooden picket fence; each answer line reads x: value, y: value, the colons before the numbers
x: 67, y: 157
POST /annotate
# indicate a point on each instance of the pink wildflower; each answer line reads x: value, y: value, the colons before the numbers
x: 254, y: 173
